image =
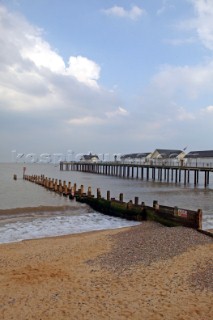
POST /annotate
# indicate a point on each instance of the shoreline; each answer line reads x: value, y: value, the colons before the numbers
x: 22, y: 212
x: 143, y: 272
x: 85, y: 233
x: 41, y: 208
x: 70, y: 235
x: 40, y: 222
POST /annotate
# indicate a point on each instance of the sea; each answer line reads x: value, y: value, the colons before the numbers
x: 29, y: 211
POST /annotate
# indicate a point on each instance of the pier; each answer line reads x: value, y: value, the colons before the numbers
x: 149, y: 172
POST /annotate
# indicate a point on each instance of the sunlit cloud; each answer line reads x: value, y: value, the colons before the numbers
x: 43, y: 56
x: 84, y: 70
x: 34, y: 76
x: 40, y: 52
x: 134, y: 13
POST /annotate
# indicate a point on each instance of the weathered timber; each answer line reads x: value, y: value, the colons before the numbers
x: 169, y: 216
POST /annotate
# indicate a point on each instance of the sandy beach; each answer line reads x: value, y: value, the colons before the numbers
x: 143, y: 272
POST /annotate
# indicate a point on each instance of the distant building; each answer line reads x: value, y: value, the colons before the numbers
x: 138, y: 158
x: 167, y: 157
x: 199, y: 158
x: 89, y: 158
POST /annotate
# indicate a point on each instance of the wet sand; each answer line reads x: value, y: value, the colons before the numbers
x: 145, y: 272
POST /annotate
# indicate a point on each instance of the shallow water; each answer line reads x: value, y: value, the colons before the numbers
x: 40, y: 224
x: 22, y: 194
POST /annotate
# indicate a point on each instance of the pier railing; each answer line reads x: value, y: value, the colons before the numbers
x: 131, y: 210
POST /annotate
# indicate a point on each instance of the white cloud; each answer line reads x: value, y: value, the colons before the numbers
x: 183, y: 115
x: 33, y: 76
x: 180, y: 42
x: 174, y: 98
x: 42, y: 55
x: 85, y: 121
x: 208, y: 110
x: 202, y: 23
x: 165, y: 6
x: 24, y: 54
x: 118, y: 112
x: 188, y: 81
x: 84, y: 70
x: 40, y: 52
x: 134, y: 13
x: 94, y: 120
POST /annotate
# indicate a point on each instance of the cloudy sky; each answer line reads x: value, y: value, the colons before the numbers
x: 105, y: 76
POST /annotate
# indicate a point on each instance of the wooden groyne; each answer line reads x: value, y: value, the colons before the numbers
x: 131, y: 210
x: 167, y: 173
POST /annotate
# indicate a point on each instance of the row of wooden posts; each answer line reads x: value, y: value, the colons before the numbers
x: 132, y: 210
x: 69, y: 190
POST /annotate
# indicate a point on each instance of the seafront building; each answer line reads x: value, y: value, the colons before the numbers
x: 157, y: 157
x: 135, y: 158
x: 91, y: 158
x: 160, y: 157
x: 167, y: 157
x: 199, y: 158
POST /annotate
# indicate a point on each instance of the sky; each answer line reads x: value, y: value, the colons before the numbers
x: 107, y: 77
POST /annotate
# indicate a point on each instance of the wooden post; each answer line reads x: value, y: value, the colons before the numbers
x: 56, y: 185
x: 89, y: 193
x: 121, y: 197
x: 60, y: 189
x: 46, y: 182
x: 136, y: 201
x: 69, y: 186
x: 199, y: 218
x: 155, y: 204
x: 51, y: 185
x: 72, y: 192
x: 43, y: 181
x: 98, y: 193
x: 65, y: 190
x: 74, y: 188
x: 108, y: 195
x: 24, y: 170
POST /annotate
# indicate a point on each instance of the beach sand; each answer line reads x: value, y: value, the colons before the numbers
x: 143, y: 272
